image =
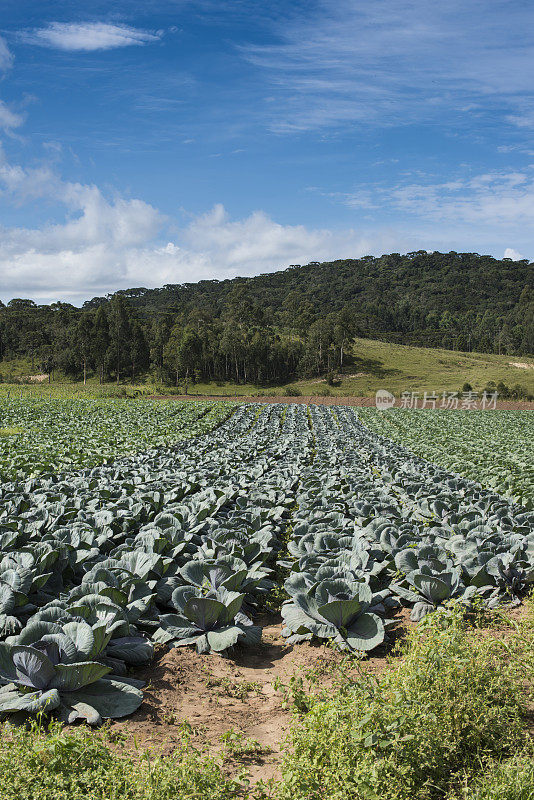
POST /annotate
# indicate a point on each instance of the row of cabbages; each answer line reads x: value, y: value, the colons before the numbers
x: 57, y: 435
x: 377, y: 526
x: 177, y: 546
x: 495, y: 448
x: 171, y: 546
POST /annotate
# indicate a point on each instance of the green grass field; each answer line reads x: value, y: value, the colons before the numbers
x: 398, y: 367
x: 375, y: 365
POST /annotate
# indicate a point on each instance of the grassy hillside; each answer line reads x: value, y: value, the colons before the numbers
x: 399, y: 367
x: 376, y: 365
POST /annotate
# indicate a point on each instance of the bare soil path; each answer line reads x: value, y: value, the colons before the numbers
x: 215, y: 695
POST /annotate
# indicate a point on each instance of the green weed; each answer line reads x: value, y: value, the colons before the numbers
x: 454, y: 702
x: 239, y: 748
x: 77, y: 764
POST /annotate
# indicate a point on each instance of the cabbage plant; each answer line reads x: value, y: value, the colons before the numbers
x: 334, y: 609
x: 117, y: 643
x: 213, y: 623
x: 9, y: 622
x: 513, y: 574
x: 57, y: 673
x: 428, y: 592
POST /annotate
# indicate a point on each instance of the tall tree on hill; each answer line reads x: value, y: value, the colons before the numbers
x: 100, y: 343
x: 47, y: 360
x: 159, y: 333
x: 183, y: 353
x: 525, y: 318
x: 139, y: 351
x: 231, y: 347
x: 189, y: 355
x: 84, y: 341
x: 30, y: 333
x: 119, y: 334
x: 344, y: 332
x: 170, y: 356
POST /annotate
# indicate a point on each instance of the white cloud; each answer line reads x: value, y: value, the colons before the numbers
x: 20, y: 185
x: 86, y: 257
x: 9, y: 120
x: 399, y: 61
x: 489, y: 200
x: 6, y: 57
x: 104, y: 244
x: 88, y: 36
x: 256, y: 240
x: 513, y: 254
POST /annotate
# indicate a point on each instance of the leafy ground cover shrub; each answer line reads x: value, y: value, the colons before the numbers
x: 73, y: 764
x: 512, y: 779
x: 451, y: 709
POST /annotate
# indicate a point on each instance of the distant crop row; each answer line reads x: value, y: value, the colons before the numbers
x: 38, y: 435
x: 183, y: 545
x: 495, y: 448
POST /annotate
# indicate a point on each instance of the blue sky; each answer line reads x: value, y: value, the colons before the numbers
x: 151, y: 142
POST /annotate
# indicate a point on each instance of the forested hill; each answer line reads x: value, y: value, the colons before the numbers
x: 275, y: 327
x: 430, y: 299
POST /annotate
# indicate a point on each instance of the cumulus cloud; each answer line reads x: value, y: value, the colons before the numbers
x: 86, y: 256
x: 88, y: 36
x: 256, y: 240
x: 513, y: 254
x: 106, y: 243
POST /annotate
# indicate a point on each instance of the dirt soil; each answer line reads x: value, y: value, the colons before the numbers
x: 361, y: 402
x: 216, y: 695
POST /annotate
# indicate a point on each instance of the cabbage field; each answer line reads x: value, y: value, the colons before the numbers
x: 492, y: 447
x: 186, y: 520
x: 39, y: 435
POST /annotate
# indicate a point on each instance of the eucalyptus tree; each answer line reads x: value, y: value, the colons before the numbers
x: 120, y: 334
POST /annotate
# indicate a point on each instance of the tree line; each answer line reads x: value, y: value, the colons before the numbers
x: 113, y: 343
x: 270, y: 329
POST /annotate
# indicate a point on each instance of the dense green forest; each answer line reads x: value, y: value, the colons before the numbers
x: 298, y: 322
